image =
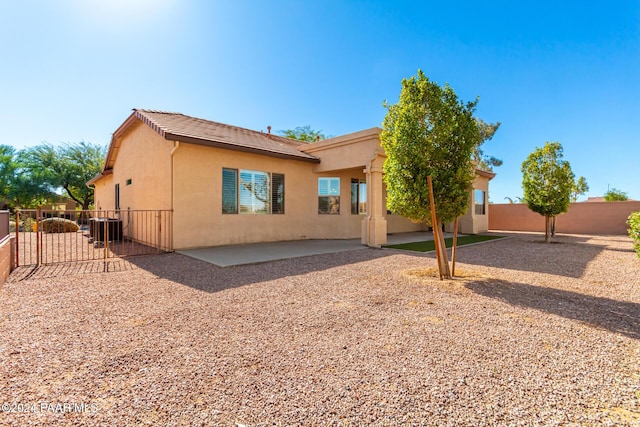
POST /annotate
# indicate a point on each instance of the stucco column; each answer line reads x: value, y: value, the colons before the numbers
x: 374, y: 225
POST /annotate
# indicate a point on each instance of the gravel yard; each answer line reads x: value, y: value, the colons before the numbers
x: 533, y: 334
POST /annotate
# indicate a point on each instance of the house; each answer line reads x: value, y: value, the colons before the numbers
x: 62, y: 203
x: 229, y: 185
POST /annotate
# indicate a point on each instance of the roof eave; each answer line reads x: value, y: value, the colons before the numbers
x: 486, y: 174
x: 98, y: 177
x: 226, y: 145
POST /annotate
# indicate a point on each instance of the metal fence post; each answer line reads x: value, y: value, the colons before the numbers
x: 159, y: 222
x: 38, y: 237
x: 17, y: 238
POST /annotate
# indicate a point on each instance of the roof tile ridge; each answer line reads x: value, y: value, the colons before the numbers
x: 156, y: 125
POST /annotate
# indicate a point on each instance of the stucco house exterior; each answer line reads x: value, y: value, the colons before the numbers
x: 230, y: 185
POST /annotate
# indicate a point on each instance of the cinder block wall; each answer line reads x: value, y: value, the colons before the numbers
x: 581, y: 218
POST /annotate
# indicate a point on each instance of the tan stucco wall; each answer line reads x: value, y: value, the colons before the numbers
x: 7, y: 259
x: 144, y: 157
x: 198, y: 218
x: 470, y: 223
x: 581, y: 218
x: 345, y: 155
x: 104, y: 193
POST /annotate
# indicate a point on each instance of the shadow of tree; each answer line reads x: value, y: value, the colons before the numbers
x: 568, y: 256
x: 207, y: 277
x: 616, y: 316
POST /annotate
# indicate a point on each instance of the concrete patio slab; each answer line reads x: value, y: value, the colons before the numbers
x: 230, y: 255
x: 253, y: 253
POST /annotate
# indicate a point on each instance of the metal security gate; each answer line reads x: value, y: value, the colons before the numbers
x: 56, y: 236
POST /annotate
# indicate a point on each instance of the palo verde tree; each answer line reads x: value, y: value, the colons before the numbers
x: 547, y: 181
x: 429, y: 132
x: 67, y: 166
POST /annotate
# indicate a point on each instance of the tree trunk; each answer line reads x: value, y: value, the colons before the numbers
x: 546, y: 228
x: 553, y: 226
x: 441, y: 250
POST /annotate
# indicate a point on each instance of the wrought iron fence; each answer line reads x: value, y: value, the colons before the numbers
x: 52, y: 236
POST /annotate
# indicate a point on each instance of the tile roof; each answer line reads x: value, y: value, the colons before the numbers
x: 179, y: 127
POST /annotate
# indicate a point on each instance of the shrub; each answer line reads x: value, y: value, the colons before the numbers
x: 634, y: 230
x: 59, y: 225
x: 27, y: 224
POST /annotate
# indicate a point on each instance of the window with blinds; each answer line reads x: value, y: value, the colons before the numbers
x: 229, y: 191
x: 252, y: 192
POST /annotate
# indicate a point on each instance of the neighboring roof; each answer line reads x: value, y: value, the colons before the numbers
x: 601, y: 199
x: 183, y: 128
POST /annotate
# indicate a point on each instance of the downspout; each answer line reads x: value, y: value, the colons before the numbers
x: 176, y: 145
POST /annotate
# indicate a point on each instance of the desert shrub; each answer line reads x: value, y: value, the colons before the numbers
x: 27, y: 224
x: 58, y: 225
x: 634, y: 230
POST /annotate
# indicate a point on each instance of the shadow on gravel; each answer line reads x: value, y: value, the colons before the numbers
x: 567, y: 256
x: 32, y: 272
x: 207, y: 277
x: 616, y: 316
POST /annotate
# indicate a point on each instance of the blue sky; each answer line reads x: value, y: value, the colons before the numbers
x: 563, y: 71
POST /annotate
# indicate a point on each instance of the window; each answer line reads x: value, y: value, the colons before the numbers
x: 329, y: 195
x: 117, y: 197
x: 277, y: 193
x: 480, y: 204
x: 229, y: 191
x: 358, y: 196
x: 129, y: 181
x: 252, y: 192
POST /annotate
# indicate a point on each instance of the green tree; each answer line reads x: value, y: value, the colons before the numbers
x: 17, y: 187
x: 7, y: 170
x: 579, y: 188
x: 615, y: 195
x: 67, y: 166
x: 484, y: 161
x: 547, y: 181
x: 303, y: 133
x: 429, y: 132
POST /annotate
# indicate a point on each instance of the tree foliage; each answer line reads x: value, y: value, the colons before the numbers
x: 303, y: 133
x: 429, y: 132
x: 7, y: 169
x: 17, y: 187
x: 634, y: 230
x: 44, y: 169
x: 579, y: 188
x: 615, y: 195
x: 484, y: 161
x: 547, y: 181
